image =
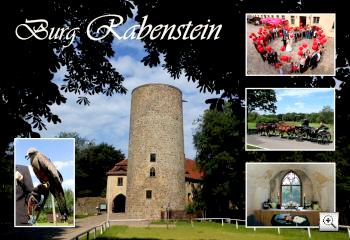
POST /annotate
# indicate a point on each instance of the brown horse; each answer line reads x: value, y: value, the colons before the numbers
x: 283, y: 128
x: 265, y: 128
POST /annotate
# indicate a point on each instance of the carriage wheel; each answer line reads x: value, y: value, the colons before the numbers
x: 327, y: 138
x: 299, y: 136
x: 305, y: 135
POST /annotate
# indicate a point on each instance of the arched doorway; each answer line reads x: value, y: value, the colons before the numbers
x: 119, y: 204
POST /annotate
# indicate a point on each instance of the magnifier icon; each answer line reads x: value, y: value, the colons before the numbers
x: 328, y: 220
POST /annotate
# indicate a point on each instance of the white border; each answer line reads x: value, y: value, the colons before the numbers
x: 264, y: 149
x: 14, y: 183
x: 294, y: 75
x: 332, y: 164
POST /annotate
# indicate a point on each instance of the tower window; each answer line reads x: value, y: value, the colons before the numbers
x: 120, y: 181
x: 149, y: 194
x: 152, y: 172
x: 153, y: 157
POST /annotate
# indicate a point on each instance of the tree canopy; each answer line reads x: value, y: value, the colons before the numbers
x: 217, y: 142
x: 92, y: 161
x: 29, y: 91
x: 263, y: 99
x: 326, y: 115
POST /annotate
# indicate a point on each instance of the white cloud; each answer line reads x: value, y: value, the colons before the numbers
x: 69, y: 183
x: 107, y: 118
x: 32, y: 174
x: 299, y: 92
x: 62, y: 164
x: 299, y: 105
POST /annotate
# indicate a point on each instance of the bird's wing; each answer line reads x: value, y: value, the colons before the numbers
x: 55, y: 180
x: 48, y: 167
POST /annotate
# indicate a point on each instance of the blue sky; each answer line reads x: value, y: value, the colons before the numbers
x: 107, y: 118
x: 304, y: 100
x: 59, y: 151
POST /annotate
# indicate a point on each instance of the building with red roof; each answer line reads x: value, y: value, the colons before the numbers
x: 117, y: 182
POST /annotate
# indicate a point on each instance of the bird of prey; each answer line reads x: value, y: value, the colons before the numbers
x: 49, y: 177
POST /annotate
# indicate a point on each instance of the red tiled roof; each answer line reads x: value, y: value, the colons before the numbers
x: 122, y: 163
x: 191, y: 169
x: 119, y: 168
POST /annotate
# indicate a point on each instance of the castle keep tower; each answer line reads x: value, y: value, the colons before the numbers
x: 156, y: 175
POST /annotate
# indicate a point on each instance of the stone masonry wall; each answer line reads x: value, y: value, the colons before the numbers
x: 113, y: 189
x: 156, y: 126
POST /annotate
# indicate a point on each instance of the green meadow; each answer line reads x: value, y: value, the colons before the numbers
x: 215, y: 231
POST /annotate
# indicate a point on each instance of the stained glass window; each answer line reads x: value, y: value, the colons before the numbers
x: 291, y: 190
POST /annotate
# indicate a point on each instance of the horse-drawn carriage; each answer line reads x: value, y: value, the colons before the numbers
x: 320, y: 135
x: 300, y: 133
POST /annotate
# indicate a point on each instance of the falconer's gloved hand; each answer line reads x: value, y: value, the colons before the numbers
x: 18, y: 176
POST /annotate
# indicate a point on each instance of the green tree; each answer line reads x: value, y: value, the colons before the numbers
x: 215, y: 140
x: 326, y: 115
x: 252, y: 116
x: 266, y: 119
x: 68, y: 195
x: 81, y: 143
x: 92, y: 163
x: 263, y: 100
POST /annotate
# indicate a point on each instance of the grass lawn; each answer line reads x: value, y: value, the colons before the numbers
x: 251, y: 125
x: 215, y: 231
x: 42, y: 224
x: 252, y: 147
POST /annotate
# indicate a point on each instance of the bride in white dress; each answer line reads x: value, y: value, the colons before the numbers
x: 289, y: 45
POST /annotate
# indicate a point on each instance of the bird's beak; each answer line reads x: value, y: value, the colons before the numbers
x: 27, y: 157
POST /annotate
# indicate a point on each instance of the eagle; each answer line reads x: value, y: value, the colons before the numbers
x: 49, y: 177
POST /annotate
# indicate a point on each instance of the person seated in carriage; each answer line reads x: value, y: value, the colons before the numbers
x: 305, y: 123
x: 322, y: 126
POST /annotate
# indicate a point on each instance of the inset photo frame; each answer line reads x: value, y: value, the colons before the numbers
x: 290, y: 44
x: 289, y: 195
x: 44, y: 182
x: 290, y: 119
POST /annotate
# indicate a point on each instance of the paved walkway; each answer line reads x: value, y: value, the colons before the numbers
x: 35, y: 233
x: 81, y: 225
x: 256, y: 66
x: 277, y: 143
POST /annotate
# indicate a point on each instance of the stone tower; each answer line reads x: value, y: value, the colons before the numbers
x: 156, y: 172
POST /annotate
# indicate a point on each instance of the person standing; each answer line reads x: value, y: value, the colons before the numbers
x: 284, y: 41
x: 316, y: 57
x: 24, y: 187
